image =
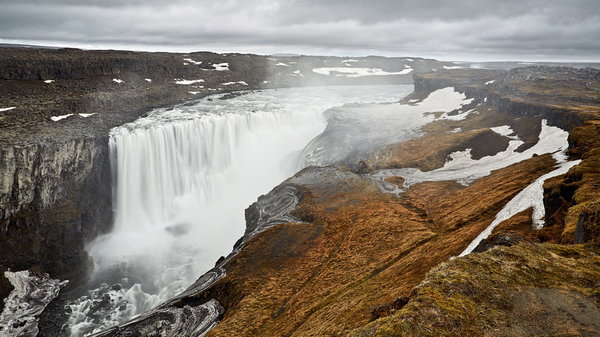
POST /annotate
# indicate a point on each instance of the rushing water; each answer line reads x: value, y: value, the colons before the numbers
x: 182, y: 179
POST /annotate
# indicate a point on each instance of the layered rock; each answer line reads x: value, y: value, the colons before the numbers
x: 56, y: 196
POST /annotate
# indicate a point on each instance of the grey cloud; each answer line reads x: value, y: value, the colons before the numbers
x: 517, y: 29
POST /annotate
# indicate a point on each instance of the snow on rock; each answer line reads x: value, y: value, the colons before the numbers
x: 192, y: 61
x: 359, y: 72
x: 49, y: 81
x: 147, y: 79
x: 505, y: 131
x: 221, y: 66
x: 6, y: 109
x: 87, y: 115
x: 265, y: 82
x: 57, y: 118
x: 490, y: 82
x: 282, y: 64
x: 298, y: 73
x: 233, y: 83
x: 117, y: 80
x: 29, y: 298
x: 453, y: 67
x: 194, y: 92
x: 187, y: 82
x: 531, y: 196
x: 463, y: 169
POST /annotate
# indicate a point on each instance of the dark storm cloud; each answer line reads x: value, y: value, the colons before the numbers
x: 525, y: 29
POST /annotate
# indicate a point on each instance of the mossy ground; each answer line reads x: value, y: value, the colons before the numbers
x: 480, y: 294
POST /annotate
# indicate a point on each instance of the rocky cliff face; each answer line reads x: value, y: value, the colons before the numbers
x: 55, y: 197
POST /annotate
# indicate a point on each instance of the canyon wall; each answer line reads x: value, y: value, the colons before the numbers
x: 55, y: 197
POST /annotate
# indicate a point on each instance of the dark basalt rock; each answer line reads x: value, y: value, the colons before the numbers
x: 390, y: 308
x: 502, y: 239
x: 186, y: 321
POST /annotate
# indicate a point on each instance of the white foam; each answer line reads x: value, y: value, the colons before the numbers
x: 57, y: 118
x: 26, y: 301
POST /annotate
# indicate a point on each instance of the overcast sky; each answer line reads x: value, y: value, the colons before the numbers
x: 445, y: 29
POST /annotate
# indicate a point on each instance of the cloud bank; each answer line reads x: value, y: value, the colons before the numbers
x: 465, y: 29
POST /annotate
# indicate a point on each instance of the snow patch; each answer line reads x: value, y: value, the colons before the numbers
x: 49, y: 81
x: 531, y: 196
x: 464, y: 169
x: 359, y: 72
x: 6, y: 109
x: 57, y: 118
x: 87, y: 115
x: 187, y: 82
x: 147, y: 79
x: 282, y: 64
x: 490, y: 82
x: 192, y: 61
x: 452, y: 67
x: 233, y: 83
x: 221, y: 66
x: 505, y: 131
x: 118, y: 80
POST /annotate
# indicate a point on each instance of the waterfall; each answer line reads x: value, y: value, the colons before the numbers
x: 182, y: 178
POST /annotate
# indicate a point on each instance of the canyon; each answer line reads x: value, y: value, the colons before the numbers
x: 365, y: 239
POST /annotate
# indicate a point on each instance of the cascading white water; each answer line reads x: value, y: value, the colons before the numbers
x: 182, y: 179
